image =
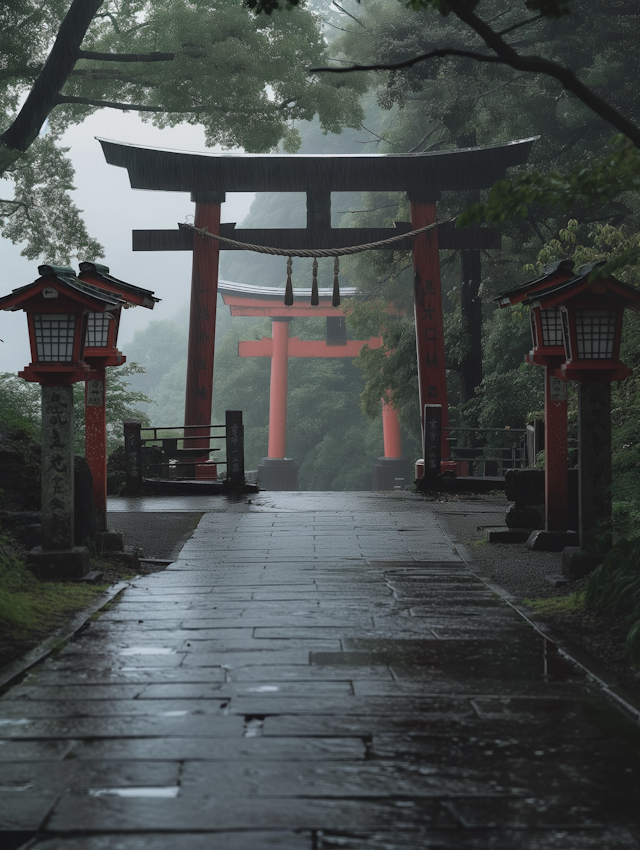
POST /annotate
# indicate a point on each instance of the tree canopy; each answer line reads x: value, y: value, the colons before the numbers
x: 211, y: 63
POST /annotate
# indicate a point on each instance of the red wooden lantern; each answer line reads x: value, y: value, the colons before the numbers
x: 58, y: 306
x: 546, y: 324
x: 589, y: 315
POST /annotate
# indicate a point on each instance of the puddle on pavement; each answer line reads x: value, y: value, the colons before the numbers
x: 147, y: 650
x: 253, y: 727
x: 168, y: 792
x: 523, y: 655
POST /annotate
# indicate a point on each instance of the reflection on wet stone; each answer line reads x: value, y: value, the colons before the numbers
x: 292, y: 692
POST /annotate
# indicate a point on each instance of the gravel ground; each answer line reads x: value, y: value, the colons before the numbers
x: 523, y: 575
x: 159, y: 535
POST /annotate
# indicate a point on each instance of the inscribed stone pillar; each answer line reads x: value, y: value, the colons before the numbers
x: 57, y: 467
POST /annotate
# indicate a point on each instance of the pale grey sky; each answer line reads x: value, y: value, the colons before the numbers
x: 112, y: 210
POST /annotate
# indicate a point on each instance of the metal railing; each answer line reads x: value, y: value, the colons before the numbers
x: 489, y: 460
x: 185, y: 456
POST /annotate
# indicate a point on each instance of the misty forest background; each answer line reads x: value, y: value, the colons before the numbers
x: 334, y: 424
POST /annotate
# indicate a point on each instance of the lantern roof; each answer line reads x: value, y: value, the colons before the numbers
x: 580, y: 284
x: 61, y: 279
x: 553, y: 273
x: 127, y: 291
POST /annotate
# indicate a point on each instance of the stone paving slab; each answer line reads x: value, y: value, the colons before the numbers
x: 332, y: 676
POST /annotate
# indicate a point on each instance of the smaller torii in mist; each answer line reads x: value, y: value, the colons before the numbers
x: 277, y: 472
x: 423, y: 176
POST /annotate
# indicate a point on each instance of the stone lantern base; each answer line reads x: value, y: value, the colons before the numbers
x: 59, y: 565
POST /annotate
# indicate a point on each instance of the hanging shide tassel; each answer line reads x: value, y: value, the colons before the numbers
x: 315, y: 298
x: 288, y: 290
x: 335, y: 301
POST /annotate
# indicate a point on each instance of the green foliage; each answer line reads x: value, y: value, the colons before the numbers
x: 19, y: 404
x: 615, y: 585
x: 588, y: 183
x: 41, y: 213
x: 243, y: 79
x: 122, y: 402
x: 506, y: 398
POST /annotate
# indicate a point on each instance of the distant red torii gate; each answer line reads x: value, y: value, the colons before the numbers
x: 422, y: 176
x: 278, y: 471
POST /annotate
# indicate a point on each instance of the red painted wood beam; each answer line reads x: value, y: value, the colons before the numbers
x: 305, y: 348
x: 95, y: 437
x: 391, y: 431
x: 432, y: 376
x: 202, y: 319
x: 278, y: 389
x: 556, y: 453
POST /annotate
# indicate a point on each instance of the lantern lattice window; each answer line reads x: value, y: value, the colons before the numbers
x: 97, y: 330
x: 54, y: 337
x: 595, y: 334
x: 551, y: 322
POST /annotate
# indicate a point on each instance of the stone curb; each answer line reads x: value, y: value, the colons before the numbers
x: 18, y: 668
x: 593, y: 669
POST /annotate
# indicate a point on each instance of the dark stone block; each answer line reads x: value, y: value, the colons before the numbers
x: 525, y: 486
x: 577, y: 564
x: 527, y: 516
x: 552, y: 541
x: 278, y: 474
x: 62, y: 565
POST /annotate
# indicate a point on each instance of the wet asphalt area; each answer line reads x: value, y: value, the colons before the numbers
x: 314, y: 671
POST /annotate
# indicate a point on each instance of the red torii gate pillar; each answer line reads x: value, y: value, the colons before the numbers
x: 202, y: 317
x: 432, y: 375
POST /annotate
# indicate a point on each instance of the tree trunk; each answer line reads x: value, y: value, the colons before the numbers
x: 43, y: 96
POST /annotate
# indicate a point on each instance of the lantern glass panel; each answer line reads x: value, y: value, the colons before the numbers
x: 54, y: 336
x: 595, y: 334
x: 97, y: 330
x: 551, y: 322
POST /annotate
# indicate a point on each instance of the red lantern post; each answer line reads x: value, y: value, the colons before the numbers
x: 101, y: 351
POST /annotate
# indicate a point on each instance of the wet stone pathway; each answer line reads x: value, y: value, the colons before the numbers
x: 314, y: 671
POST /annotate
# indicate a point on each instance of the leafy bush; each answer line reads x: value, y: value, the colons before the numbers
x: 615, y: 584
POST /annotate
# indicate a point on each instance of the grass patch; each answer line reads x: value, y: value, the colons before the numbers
x: 557, y: 604
x: 30, y: 608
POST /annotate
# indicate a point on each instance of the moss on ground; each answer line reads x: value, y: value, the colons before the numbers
x: 31, y: 608
x: 557, y: 604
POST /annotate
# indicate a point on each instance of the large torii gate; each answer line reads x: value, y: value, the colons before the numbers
x: 423, y: 176
x: 278, y: 472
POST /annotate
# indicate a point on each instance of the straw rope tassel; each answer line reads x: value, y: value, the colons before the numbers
x: 315, y: 298
x: 288, y: 290
x: 335, y: 301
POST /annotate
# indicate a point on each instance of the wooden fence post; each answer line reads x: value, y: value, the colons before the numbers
x: 432, y: 445
x: 235, y: 448
x: 133, y: 455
